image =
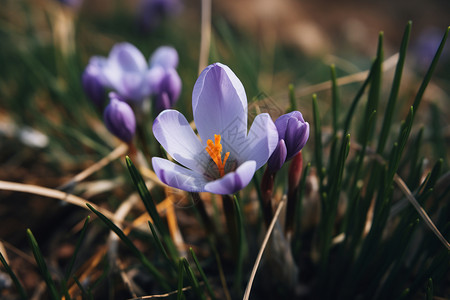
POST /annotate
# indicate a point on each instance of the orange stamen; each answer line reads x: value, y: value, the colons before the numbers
x: 215, y: 150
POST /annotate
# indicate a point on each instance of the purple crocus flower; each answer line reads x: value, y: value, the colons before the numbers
x: 293, y: 133
x: 228, y: 164
x: 119, y: 118
x: 126, y: 72
x: 168, y: 90
x: 93, y: 80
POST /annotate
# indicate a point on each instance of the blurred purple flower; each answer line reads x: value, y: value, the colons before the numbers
x: 127, y: 72
x: 152, y: 12
x: 425, y: 47
x: 294, y: 132
x: 119, y: 118
x: 219, y: 106
x: 72, y: 3
x: 168, y: 91
x: 93, y: 80
x: 164, y: 56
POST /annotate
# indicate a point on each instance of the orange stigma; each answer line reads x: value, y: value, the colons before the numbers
x: 215, y: 150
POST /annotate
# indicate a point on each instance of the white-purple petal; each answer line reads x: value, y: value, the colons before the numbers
x: 174, y: 133
x: 219, y: 104
x: 127, y: 58
x: 177, y: 176
x: 164, y: 56
x: 261, y: 141
x: 233, y: 181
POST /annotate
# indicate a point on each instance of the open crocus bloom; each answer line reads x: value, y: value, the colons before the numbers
x: 126, y: 71
x: 227, y: 156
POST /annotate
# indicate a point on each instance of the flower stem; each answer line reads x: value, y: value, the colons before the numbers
x: 295, y: 173
x: 267, y: 183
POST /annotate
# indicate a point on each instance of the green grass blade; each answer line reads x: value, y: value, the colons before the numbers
x: 335, y: 99
x: 19, y: 287
x: 430, y: 291
x: 158, y: 242
x: 430, y: 72
x: 180, y: 294
x: 389, y: 112
x: 54, y: 294
x: 150, y: 267
x: 241, y: 244
x: 191, y: 276
x: 318, y: 140
x: 145, y: 195
x: 77, y: 248
x: 202, y: 274
x: 374, y: 91
x: 351, y: 111
x: 151, y: 208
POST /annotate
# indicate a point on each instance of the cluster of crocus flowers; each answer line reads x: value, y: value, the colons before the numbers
x: 133, y: 80
x: 226, y: 156
x: 127, y: 72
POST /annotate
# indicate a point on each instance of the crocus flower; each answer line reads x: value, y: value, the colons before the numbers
x: 293, y: 133
x: 119, y: 118
x: 227, y: 156
x: 126, y: 72
x: 168, y: 90
x: 93, y: 80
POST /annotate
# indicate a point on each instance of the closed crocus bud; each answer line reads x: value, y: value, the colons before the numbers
x: 278, y: 157
x: 168, y: 91
x: 293, y: 129
x: 93, y: 81
x: 293, y: 132
x: 119, y: 118
x: 164, y: 56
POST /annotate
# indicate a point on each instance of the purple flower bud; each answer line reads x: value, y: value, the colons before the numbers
x: 278, y: 157
x: 168, y: 91
x: 164, y: 56
x: 293, y: 129
x: 119, y: 118
x: 93, y: 81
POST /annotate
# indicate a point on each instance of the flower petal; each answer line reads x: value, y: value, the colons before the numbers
x: 296, y: 135
x: 127, y: 57
x: 219, y: 104
x: 178, y: 177
x: 261, y: 141
x: 164, y: 56
x: 278, y: 157
x: 234, y: 181
x: 174, y: 133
